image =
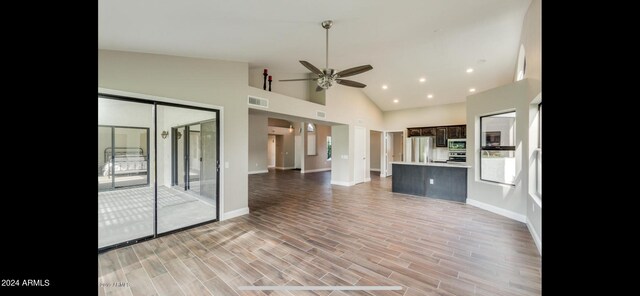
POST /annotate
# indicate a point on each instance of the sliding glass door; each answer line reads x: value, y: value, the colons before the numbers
x: 157, y: 168
x: 194, y: 170
x: 209, y: 163
x: 125, y: 194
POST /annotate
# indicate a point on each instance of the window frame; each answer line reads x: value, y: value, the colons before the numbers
x: 494, y: 148
x: 539, y: 155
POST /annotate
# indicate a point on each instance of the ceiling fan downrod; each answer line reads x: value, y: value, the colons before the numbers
x: 327, y: 25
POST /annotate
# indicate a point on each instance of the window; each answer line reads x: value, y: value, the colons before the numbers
x: 328, y: 147
x: 497, y: 153
x: 539, y: 155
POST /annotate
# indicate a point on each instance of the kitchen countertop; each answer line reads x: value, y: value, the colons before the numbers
x: 439, y: 164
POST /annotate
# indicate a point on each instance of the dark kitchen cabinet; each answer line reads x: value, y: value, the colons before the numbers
x: 442, y: 133
x: 441, y: 136
x: 454, y: 132
x: 413, y: 132
x: 429, y: 131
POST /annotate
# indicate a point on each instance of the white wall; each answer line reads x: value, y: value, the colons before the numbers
x: 531, y: 38
x: 296, y: 89
x: 212, y: 82
x: 285, y: 151
x: 258, y: 134
x: 509, y: 200
x: 450, y: 114
x: 319, y: 161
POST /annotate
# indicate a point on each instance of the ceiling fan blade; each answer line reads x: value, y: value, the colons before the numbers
x: 350, y: 83
x: 354, y: 71
x: 318, y: 88
x: 311, y: 67
x: 301, y: 79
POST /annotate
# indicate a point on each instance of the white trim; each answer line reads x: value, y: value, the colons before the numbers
x: 536, y: 199
x: 316, y: 170
x: 284, y: 168
x: 188, y: 103
x: 374, y: 170
x: 235, y: 213
x: 497, y: 210
x: 341, y: 183
x: 534, y: 234
x: 258, y: 172
x: 367, y: 179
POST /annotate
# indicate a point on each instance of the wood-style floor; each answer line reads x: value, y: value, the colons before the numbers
x: 303, y: 231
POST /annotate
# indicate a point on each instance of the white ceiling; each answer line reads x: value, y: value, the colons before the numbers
x: 403, y: 40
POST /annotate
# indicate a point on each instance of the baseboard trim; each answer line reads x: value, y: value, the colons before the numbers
x: 284, y: 168
x: 497, y: 210
x: 341, y: 183
x: 316, y: 170
x: 536, y: 237
x: 258, y: 172
x: 374, y: 170
x: 367, y: 179
x: 236, y: 213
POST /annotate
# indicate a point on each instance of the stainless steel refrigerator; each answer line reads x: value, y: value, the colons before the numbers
x: 420, y: 149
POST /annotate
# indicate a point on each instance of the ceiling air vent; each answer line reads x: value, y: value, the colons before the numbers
x: 321, y: 114
x: 258, y: 102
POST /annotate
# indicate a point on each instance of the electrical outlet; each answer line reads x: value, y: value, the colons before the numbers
x: 430, y: 181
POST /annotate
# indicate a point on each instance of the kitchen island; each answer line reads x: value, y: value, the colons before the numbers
x: 437, y: 180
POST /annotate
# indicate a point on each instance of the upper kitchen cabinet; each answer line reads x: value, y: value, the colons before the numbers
x: 414, y: 132
x: 442, y: 133
x: 429, y: 131
x: 454, y: 132
x: 441, y: 136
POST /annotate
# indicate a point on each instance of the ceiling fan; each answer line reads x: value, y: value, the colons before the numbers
x: 327, y: 77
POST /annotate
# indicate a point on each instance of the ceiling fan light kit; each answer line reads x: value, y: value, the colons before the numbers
x: 327, y: 77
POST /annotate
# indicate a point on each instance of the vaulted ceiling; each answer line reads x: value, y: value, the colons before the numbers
x: 403, y: 40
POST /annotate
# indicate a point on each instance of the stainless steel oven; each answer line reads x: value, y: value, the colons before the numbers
x: 457, y: 150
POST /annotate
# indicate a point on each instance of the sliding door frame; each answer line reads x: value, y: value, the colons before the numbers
x: 155, y: 104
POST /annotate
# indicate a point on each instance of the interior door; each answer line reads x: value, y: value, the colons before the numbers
x: 209, y: 160
x: 271, y: 151
x: 360, y: 165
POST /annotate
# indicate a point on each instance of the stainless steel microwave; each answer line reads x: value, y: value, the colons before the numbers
x: 457, y: 144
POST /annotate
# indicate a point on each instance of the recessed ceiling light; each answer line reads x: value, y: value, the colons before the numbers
x: 423, y: 79
x: 472, y: 89
x: 469, y: 70
x: 396, y: 101
x: 429, y: 96
x: 384, y: 86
